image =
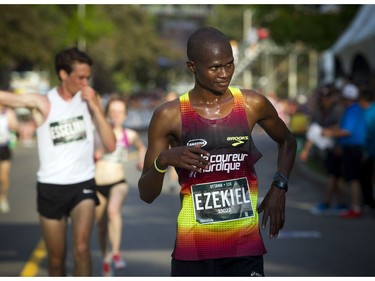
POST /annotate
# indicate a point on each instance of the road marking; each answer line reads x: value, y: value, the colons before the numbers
x: 31, y: 267
x: 299, y: 234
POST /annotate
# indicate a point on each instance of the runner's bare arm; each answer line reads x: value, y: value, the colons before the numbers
x: 103, y: 128
x: 37, y: 103
x: 279, y: 132
x: 137, y: 142
x: 273, y: 204
x: 151, y: 181
x: 13, y: 121
x: 165, y: 124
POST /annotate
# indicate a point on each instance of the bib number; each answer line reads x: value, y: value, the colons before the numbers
x: 222, y: 201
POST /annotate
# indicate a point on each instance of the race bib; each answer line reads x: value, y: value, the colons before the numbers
x: 222, y: 201
x: 69, y: 130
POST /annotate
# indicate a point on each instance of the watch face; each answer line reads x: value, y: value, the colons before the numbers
x: 280, y: 184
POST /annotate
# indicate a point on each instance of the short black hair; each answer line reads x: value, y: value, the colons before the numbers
x: 203, y: 37
x: 65, y: 59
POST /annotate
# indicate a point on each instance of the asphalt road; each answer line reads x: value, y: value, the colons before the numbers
x: 309, y: 245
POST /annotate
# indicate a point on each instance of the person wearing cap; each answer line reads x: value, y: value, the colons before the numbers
x: 351, y: 137
x: 327, y: 114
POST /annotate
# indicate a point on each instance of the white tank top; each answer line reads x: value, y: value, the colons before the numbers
x: 4, y: 129
x: 66, y: 142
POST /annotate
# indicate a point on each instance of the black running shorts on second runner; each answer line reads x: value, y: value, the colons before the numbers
x: 105, y: 189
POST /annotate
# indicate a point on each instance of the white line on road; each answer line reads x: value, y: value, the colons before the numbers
x: 299, y: 234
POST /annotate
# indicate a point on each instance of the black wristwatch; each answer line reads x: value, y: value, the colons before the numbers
x: 280, y: 184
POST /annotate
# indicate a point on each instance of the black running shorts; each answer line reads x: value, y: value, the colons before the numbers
x: 5, y: 153
x: 239, y: 266
x: 105, y: 189
x: 55, y: 201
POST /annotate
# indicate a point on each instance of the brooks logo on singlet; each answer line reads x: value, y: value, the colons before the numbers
x: 238, y: 140
x: 68, y: 130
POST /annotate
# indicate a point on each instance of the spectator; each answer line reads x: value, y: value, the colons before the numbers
x: 351, y: 137
x: 327, y: 114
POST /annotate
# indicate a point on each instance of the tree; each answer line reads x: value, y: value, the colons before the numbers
x: 32, y: 34
x: 306, y: 24
x: 122, y: 39
x: 25, y: 34
x: 127, y: 48
x: 132, y: 51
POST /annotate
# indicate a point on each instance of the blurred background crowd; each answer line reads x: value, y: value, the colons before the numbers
x: 286, y: 52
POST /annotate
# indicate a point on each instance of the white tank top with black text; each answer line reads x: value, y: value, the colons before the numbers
x: 66, y: 142
x: 4, y: 129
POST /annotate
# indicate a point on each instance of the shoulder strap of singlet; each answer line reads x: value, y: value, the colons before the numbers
x: 234, y: 91
x: 125, y: 138
x: 184, y: 96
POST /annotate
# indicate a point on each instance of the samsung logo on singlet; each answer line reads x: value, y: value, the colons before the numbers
x: 195, y: 142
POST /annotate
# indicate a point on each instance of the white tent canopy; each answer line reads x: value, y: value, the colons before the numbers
x: 358, y: 39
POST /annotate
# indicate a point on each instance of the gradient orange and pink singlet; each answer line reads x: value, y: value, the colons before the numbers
x: 218, y: 216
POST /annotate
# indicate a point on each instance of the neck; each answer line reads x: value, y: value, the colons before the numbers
x: 64, y: 93
x: 206, y: 97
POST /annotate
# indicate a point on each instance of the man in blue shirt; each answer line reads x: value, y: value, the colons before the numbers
x: 351, y: 136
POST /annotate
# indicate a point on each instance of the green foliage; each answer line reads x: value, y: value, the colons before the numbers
x: 286, y: 23
x: 132, y: 48
x: 25, y: 31
x: 304, y: 23
x: 124, y: 85
x: 122, y: 39
x: 228, y: 19
x: 126, y: 45
x: 34, y: 33
x: 91, y: 23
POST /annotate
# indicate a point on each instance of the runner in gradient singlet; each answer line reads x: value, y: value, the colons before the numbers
x: 206, y: 136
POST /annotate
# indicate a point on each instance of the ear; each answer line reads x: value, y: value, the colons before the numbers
x: 191, y: 66
x: 63, y: 75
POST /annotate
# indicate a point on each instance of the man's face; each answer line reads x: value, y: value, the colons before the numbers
x: 214, y: 68
x: 78, y: 78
